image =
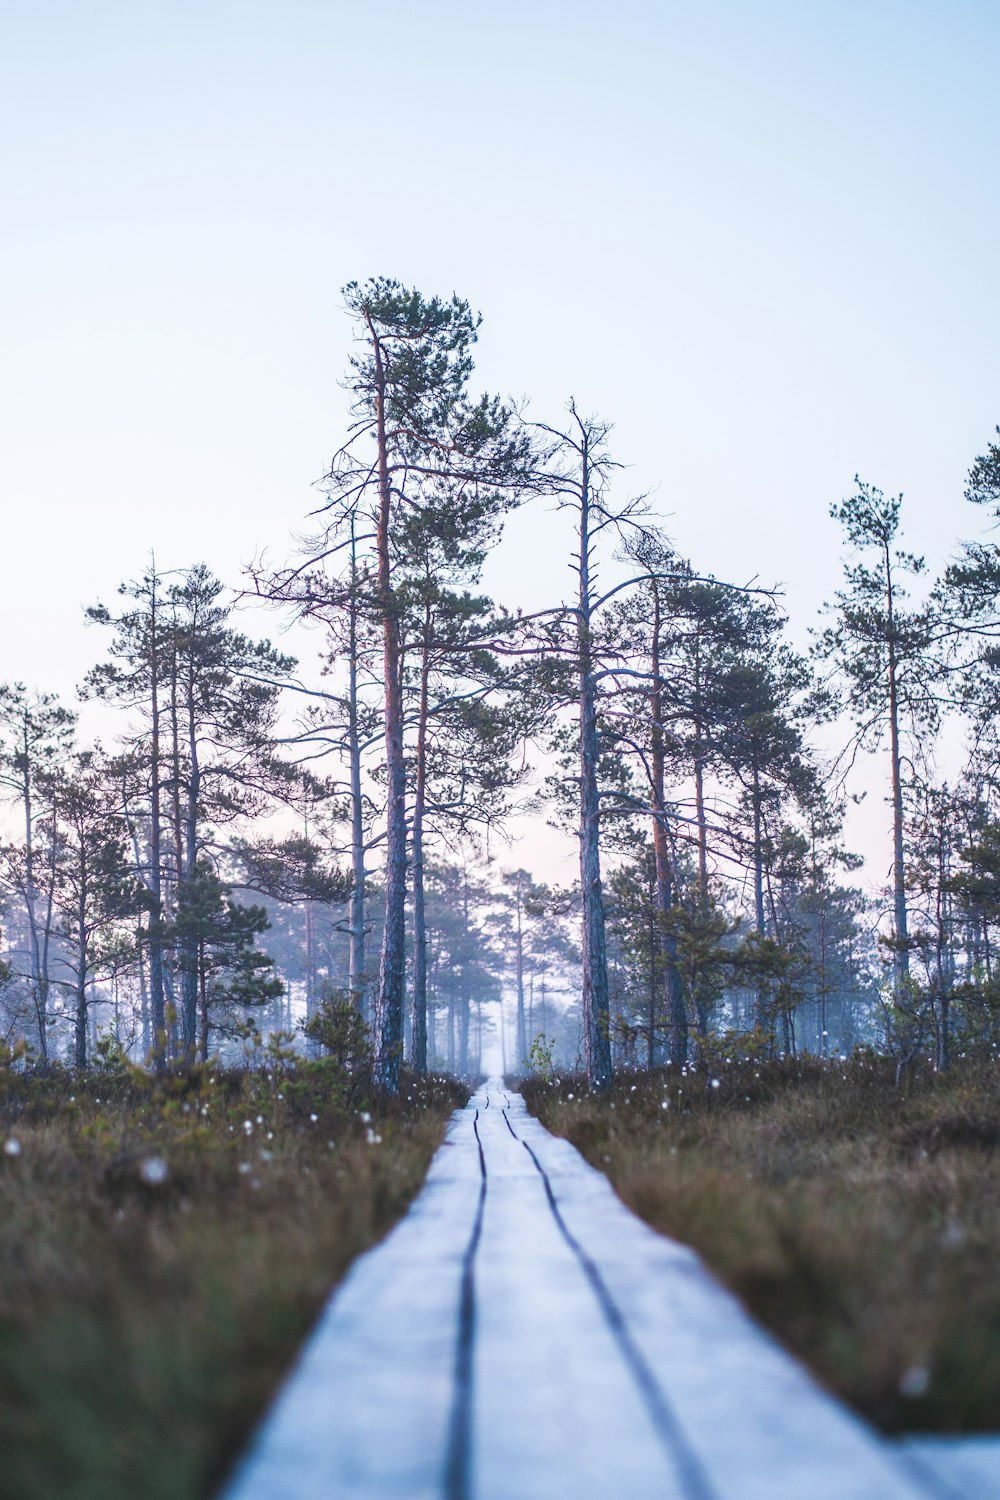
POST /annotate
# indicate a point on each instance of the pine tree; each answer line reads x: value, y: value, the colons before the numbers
x: 882, y: 655
x: 415, y: 432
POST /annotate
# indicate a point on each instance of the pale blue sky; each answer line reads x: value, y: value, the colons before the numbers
x: 760, y: 238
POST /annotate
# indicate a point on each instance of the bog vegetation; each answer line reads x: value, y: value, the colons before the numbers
x: 255, y: 836
x: 859, y: 1220
x: 165, y: 1243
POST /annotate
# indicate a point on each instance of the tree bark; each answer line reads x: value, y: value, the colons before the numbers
x: 191, y: 945
x: 39, y: 975
x: 596, y: 1002
x: 81, y: 969
x: 356, y: 936
x: 419, y: 920
x: 156, y: 988
x: 389, y: 1006
x: 522, y: 1034
x: 465, y: 1000
x: 902, y: 955
x: 667, y: 941
x: 760, y: 1018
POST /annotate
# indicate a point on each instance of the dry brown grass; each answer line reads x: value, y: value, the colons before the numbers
x: 143, y: 1325
x: 859, y: 1221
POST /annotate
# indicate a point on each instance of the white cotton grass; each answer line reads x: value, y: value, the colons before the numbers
x: 11, y: 1147
x: 914, y: 1381
x: 154, y: 1171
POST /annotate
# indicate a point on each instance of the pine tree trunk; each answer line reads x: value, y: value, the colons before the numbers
x: 80, y: 1028
x: 156, y: 987
x: 465, y: 1000
x: 419, y: 921
x: 39, y: 979
x: 389, y: 1006
x: 203, y: 999
x: 81, y: 982
x: 356, y: 955
x: 189, y: 967
x: 699, y: 781
x: 760, y: 1018
x: 596, y: 1002
x: 901, y: 933
x: 667, y: 941
x: 522, y: 1033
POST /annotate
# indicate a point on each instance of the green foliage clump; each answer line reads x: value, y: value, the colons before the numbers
x: 341, y: 1077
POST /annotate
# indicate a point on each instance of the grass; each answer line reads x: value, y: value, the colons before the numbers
x: 860, y: 1222
x: 164, y: 1248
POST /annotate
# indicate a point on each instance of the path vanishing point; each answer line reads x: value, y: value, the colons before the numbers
x: 521, y: 1335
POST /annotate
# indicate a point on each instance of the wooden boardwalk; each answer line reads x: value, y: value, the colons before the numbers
x: 522, y: 1336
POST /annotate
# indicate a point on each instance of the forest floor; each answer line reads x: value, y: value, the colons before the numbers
x: 164, y: 1248
x: 859, y: 1221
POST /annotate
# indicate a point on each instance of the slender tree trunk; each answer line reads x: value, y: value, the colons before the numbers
x: 944, y: 952
x: 147, y: 1031
x: 667, y: 941
x: 203, y: 1000
x: 465, y: 999
x: 901, y: 933
x: 452, y: 1021
x: 144, y: 1005
x: 653, y: 940
x: 156, y: 985
x: 760, y: 1018
x: 47, y: 925
x: 81, y: 971
x: 419, y: 1049
x: 596, y: 1002
x: 701, y: 818
x: 175, y: 764
x: 464, y: 1010
x: 356, y: 956
x: 432, y: 1003
x: 522, y: 1033
x: 389, y: 1005
x: 503, y: 1038
x: 310, y: 962
x: 190, y: 965
x: 824, y: 1039
x: 39, y: 978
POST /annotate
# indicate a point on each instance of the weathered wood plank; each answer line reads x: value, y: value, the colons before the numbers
x: 964, y: 1468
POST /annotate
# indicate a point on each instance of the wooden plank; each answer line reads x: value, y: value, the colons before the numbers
x: 365, y: 1413
x: 964, y: 1468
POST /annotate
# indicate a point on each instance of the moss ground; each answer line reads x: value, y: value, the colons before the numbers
x: 164, y: 1248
